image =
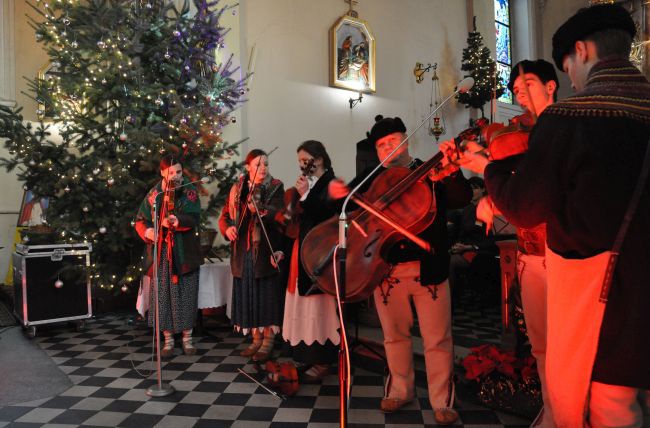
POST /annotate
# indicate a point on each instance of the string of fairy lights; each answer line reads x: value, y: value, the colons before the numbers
x: 101, y: 95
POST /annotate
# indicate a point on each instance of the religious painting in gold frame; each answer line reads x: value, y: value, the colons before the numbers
x: 352, y: 55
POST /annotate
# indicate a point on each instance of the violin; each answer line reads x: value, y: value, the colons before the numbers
x: 291, y: 215
x: 282, y: 376
x: 498, y: 140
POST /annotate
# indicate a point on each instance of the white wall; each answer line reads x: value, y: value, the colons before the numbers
x: 290, y: 98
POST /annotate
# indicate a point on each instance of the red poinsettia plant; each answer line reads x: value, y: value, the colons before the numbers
x: 485, y: 359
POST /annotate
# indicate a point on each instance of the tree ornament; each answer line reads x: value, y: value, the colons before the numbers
x: 26, y: 239
x: 233, y: 119
x: 40, y: 112
x: 132, y: 223
x: 58, y: 284
x: 85, y: 209
x: 184, y: 145
x: 66, y: 21
x: 74, y: 44
x: 242, y: 92
x: 32, y: 162
x: 167, y: 55
x: 56, y: 64
x: 101, y: 44
x: 110, y: 182
x: 187, y: 68
x: 25, y: 187
x: 102, y: 230
x: 66, y: 189
x: 104, y: 81
x: 149, y: 6
x: 130, y: 118
x: 176, y: 33
x: 123, y: 136
x: 96, y: 171
x: 125, y: 288
x: 159, y: 102
x: 39, y: 37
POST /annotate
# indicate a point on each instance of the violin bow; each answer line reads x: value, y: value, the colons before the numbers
x: 269, y: 390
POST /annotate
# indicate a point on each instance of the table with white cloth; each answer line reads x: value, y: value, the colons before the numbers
x: 215, y: 285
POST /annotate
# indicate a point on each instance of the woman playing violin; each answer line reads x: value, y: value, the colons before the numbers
x: 310, y: 320
x: 247, y: 221
x: 179, y: 210
x: 420, y: 277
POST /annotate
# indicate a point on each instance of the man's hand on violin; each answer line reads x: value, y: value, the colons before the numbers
x: 231, y: 233
x: 337, y: 189
x: 470, y: 156
x: 302, y: 185
x: 170, y: 222
x: 279, y: 256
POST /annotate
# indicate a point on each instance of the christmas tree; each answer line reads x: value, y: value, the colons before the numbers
x: 130, y: 80
x: 478, y: 64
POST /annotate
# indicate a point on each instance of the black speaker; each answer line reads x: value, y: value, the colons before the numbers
x: 51, y: 283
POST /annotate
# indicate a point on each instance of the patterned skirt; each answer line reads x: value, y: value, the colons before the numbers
x: 178, y: 302
x: 256, y: 303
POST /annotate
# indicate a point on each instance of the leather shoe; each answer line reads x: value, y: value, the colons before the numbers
x: 446, y: 416
x: 390, y: 405
x: 261, y: 357
x: 315, y: 374
x: 189, y: 350
x: 166, y: 352
x: 251, y: 350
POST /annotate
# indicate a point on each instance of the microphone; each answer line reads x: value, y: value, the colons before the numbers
x: 465, y: 85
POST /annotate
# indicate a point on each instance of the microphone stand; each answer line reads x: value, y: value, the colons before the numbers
x: 340, y: 260
x: 160, y: 389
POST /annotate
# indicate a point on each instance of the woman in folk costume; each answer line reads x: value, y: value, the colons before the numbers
x: 310, y: 320
x: 178, y: 272
x: 247, y: 221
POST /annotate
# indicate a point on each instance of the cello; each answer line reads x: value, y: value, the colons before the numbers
x: 401, y: 196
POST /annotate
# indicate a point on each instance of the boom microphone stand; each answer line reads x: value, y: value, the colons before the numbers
x: 340, y: 259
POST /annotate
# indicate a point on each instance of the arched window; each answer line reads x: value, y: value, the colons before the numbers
x: 504, y: 45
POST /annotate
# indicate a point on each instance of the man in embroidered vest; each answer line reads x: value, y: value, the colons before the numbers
x: 419, y: 277
x: 578, y: 175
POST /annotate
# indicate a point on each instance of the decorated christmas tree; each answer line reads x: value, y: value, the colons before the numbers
x: 478, y: 64
x: 130, y: 80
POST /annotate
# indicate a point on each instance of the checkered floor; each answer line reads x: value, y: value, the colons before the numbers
x: 107, y: 364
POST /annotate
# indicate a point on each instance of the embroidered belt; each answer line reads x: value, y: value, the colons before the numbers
x: 532, y: 241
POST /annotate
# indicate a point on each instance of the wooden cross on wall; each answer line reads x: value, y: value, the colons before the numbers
x: 351, y: 10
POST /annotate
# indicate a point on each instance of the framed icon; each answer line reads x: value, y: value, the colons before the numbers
x: 352, y: 55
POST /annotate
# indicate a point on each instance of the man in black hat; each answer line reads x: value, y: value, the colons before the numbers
x: 418, y: 276
x: 578, y: 175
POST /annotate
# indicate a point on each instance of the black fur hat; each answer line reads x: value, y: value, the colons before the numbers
x: 587, y: 21
x: 385, y: 126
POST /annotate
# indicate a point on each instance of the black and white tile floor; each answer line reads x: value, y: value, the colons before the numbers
x: 109, y: 391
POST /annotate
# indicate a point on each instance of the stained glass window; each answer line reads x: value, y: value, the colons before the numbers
x: 504, y: 49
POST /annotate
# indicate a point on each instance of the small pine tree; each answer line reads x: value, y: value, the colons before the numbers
x: 478, y: 64
x: 130, y: 80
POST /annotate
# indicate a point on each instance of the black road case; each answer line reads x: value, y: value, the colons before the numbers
x: 51, y: 284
